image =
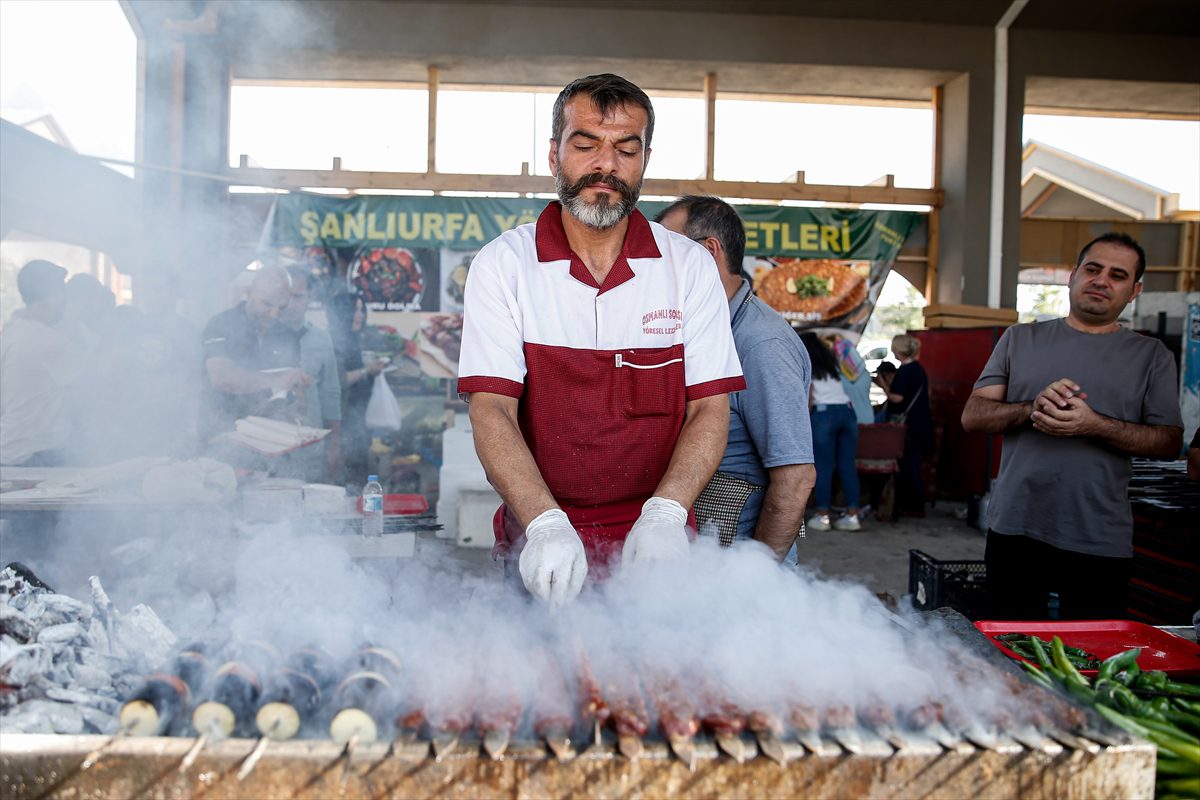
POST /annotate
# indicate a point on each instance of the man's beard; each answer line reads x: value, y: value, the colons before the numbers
x: 601, y: 214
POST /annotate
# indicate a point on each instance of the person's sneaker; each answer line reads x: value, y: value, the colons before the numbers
x: 818, y: 522
x: 847, y: 523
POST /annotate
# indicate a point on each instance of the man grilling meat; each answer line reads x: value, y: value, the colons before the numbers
x: 597, y: 358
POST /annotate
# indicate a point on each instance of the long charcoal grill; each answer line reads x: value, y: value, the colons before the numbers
x: 36, y: 766
x: 1023, y: 742
x: 1086, y: 758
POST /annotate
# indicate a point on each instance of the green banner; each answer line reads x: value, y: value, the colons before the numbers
x: 467, y: 223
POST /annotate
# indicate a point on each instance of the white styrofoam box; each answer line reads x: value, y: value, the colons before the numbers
x: 477, y: 506
x: 322, y: 499
x: 450, y: 479
x: 458, y: 443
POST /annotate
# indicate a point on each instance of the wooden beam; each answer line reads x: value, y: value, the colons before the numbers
x: 1041, y: 199
x: 431, y: 162
x: 293, y: 179
x: 935, y: 230
x: 710, y: 125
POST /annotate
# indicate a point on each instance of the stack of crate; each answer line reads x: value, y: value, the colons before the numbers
x: 948, y: 315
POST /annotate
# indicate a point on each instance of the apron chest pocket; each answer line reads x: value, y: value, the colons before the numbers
x: 651, y: 383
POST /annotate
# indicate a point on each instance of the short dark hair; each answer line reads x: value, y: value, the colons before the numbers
x: 712, y: 216
x: 39, y: 279
x: 607, y: 91
x: 1122, y: 239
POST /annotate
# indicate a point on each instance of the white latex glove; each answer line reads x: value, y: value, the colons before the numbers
x: 553, y: 564
x: 658, y: 534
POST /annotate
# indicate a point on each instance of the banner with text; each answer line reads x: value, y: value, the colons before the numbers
x: 819, y: 267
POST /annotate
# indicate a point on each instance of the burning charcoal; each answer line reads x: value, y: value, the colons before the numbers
x: 14, y: 623
x: 98, y: 636
x: 89, y: 677
x: 99, y: 721
x: 62, y: 634
x: 26, y: 663
x: 41, y: 716
x: 105, y: 704
x: 66, y: 608
x: 18, y: 575
x: 143, y: 635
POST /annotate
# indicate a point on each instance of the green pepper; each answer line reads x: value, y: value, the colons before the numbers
x: 1039, y: 652
x: 1063, y: 663
x: 1154, y: 681
x: 1129, y: 675
x: 1119, y: 662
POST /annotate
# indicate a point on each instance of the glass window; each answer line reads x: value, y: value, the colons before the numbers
x: 305, y: 127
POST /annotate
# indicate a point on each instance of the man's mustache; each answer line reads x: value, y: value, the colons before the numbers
x: 611, y: 181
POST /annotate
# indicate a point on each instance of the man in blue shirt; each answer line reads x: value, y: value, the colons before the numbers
x: 762, y: 484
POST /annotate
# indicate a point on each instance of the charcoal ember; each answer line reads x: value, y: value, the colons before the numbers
x: 105, y: 704
x: 44, y: 716
x: 98, y: 636
x: 86, y: 676
x: 98, y: 720
x: 142, y: 635
x: 24, y: 663
x: 30, y: 605
x: 100, y: 660
x: 15, y: 623
x: 60, y: 635
x: 65, y: 608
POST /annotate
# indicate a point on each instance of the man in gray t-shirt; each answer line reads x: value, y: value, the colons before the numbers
x: 1075, y: 398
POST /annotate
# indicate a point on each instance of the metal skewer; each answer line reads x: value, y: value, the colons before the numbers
x: 256, y: 754
x: 771, y: 747
x: 495, y: 743
x: 91, y: 758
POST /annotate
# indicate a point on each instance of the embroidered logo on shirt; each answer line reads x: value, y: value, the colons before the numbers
x: 662, y: 321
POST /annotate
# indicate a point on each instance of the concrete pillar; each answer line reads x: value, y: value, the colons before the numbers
x: 185, y: 91
x: 965, y: 152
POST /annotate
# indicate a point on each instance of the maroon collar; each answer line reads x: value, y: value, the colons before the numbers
x: 552, y: 245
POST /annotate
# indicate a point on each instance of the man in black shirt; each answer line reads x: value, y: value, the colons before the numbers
x: 249, y: 357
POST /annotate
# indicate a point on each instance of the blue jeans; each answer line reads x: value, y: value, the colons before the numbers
x: 748, y: 524
x: 835, y: 439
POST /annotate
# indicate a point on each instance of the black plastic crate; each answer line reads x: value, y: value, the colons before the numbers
x: 961, y: 585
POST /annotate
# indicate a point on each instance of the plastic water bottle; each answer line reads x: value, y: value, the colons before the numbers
x: 372, y: 507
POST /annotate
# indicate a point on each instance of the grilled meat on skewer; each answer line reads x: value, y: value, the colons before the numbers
x: 363, y: 703
x: 230, y: 702
x: 767, y: 728
x: 551, y: 709
x: 677, y: 717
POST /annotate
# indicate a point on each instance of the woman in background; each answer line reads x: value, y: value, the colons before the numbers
x: 347, y: 316
x: 908, y: 402
x: 835, y: 438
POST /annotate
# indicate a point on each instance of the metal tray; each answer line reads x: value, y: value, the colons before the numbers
x: 1163, y: 651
